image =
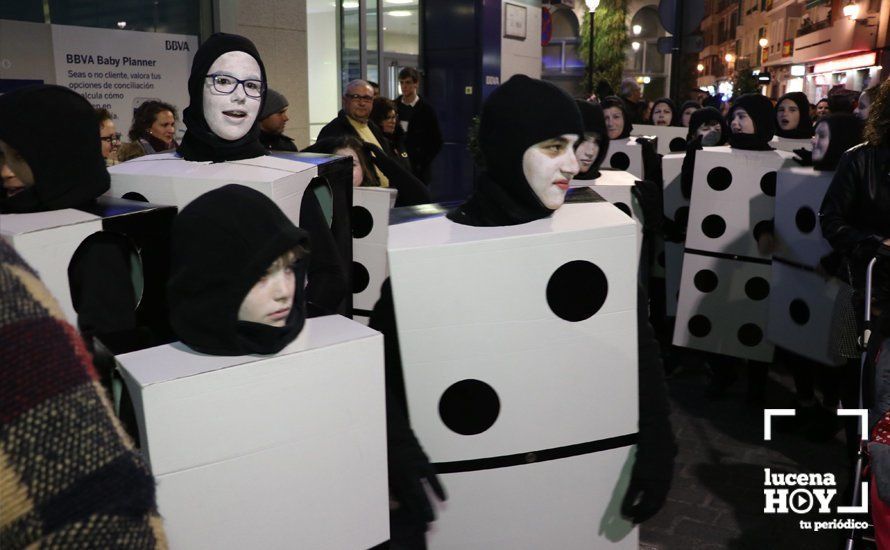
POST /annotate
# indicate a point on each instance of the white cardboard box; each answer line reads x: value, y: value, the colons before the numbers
x: 501, y: 359
x: 799, y: 195
x: 674, y: 201
x: 615, y: 186
x: 370, y: 231
x: 281, y: 451
x: 625, y: 155
x: 789, y: 144
x: 671, y: 139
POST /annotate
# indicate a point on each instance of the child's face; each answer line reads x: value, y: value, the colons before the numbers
x: 270, y: 300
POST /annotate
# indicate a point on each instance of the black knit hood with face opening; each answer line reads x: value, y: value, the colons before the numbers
x: 518, y: 114
x: 199, y: 142
x: 594, y: 123
x: 804, y: 128
x: 675, y: 115
x: 615, y: 101
x: 845, y: 131
x: 760, y: 109
x: 223, y: 243
x: 56, y: 132
x: 707, y: 114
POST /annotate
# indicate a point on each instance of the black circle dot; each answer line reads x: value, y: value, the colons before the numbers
x: 713, y: 226
x: 134, y: 196
x: 677, y: 144
x: 799, y: 311
x: 660, y: 259
x: 681, y: 215
x: 699, y: 325
x: 768, y: 184
x: 577, y: 290
x: 705, y: 280
x: 362, y: 222
x: 757, y: 288
x: 805, y: 219
x: 750, y: 335
x: 620, y: 161
x: 719, y: 178
x: 360, y: 277
x: 761, y: 227
x: 469, y: 407
x: 624, y: 208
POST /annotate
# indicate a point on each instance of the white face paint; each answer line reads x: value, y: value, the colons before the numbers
x: 549, y: 166
x: 270, y: 300
x: 788, y: 115
x: 587, y: 151
x: 821, y: 140
x: 230, y: 116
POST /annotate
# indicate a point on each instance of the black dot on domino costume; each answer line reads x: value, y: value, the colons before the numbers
x: 360, y: 277
x: 768, y: 184
x: 469, y: 407
x: 362, y: 222
x: 681, y: 215
x: 624, y: 208
x: 705, y: 280
x: 760, y: 227
x: 750, y: 335
x: 713, y: 226
x: 134, y: 196
x: 757, y: 288
x: 719, y: 178
x: 699, y: 326
x: 677, y: 144
x: 805, y: 219
x: 799, y: 311
x: 619, y: 161
x: 577, y: 290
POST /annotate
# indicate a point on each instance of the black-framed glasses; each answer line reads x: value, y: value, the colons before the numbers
x: 226, y: 84
x: 115, y: 137
x: 357, y: 97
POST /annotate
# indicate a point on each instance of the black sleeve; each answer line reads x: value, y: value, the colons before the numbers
x: 411, y: 190
x: 651, y: 162
x: 326, y: 280
x: 839, y: 210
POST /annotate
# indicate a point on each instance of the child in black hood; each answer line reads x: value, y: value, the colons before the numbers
x: 840, y: 131
x: 505, y: 191
x: 592, y: 150
x: 793, y: 116
x: 48, y: 135
x: 223, y: 122
x: 229, y: 246
x: 664, y: 113
x: 752, y: 123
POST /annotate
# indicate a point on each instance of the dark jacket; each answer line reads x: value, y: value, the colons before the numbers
x: 341, y: 126
x: 423, y: 139
x: 277, y: 142
x: 855, y: 214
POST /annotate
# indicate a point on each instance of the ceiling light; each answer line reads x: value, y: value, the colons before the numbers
x: 350, y: 5
x: 399, y: 13
x: 121, y: 24
x: 851, y: 10
x: 399, y: 2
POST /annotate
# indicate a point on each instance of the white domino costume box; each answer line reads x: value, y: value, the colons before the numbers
x: 279, y: 451
x: 370, y: 232
x: 671, y: 139
x: 790, y: 144
x: 799, y: 194
x: 615, y: 186
x: 519, y: 352
x: 625, y: 155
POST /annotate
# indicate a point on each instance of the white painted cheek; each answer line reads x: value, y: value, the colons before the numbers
x: 540, y: 171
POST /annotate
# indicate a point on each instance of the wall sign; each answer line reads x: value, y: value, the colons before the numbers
x: 515, y: 21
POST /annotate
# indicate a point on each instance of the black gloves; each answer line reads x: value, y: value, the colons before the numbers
x: 651, y: 199
x: 804, y: 157
x: 644, y: 497
x: 408, y: 465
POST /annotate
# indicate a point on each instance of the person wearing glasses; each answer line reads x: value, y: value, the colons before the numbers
x: 111, y: 140
x: 354, y: 120
x: 384, y: 115
x: 154, y: 127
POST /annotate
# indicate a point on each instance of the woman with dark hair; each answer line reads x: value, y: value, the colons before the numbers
x: 154, y: 127
x: 822, y: 108
x: 385, y: 115
x: 793, y: 116
x: 110, y: 138
x: 664, y: 113
x: 686, y: 111
x: 866, y: 98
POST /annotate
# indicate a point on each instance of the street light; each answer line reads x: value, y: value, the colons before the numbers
x: 700, y: 67
x: 592, y: 5
x: 763, y: 42
x: 635, y: 45
x: 637, y: 30
x: 729, y: 58
x: 851, y: 10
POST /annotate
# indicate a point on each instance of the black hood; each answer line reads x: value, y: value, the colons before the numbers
x: 56, y: 132
x: 804, y: 128
x: 223, y: 242
x: 708, y: 114
x: 508, y: 127
x: 199, y: 142
x: 760, y: 109
x: 675, y: 115
x: 615, y: 101
x: 594, y: 122
x: 846, y: 131
x: 686, y: 105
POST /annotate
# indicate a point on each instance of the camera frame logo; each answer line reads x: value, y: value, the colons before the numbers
x: 802, y: 493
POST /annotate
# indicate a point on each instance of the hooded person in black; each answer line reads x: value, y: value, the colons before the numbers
x: 752, y: 122
x: 714, y: 131
x: 508, y: 128
x: 52, y: 130
x: 691, y: 106
x: 796, y: 105
x: 201, y: 142
x: 844, y: 131
x: 674, y: 119
x: 224, y: 242
x: 615, y: 102
x: 594, y: 134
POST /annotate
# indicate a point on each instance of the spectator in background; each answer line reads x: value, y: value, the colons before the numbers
x: 423, y: 139
x: 375, y: 87
x: 821, y: 108
x: 154, y: 127
x: 384, y: 115
x: 630, y: 92
x: 866, y: 98
x: 110, y: 138
x: 273, y: 119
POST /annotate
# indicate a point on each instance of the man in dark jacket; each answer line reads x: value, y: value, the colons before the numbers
x: 273, y: 118
x: 353, y: 120
x: 423, y: 139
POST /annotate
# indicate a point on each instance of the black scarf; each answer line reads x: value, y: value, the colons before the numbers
x: 804, y: 128
x: 760, y: 109
x: 845, y: 132
x: 707, y: 114
x: 199, y: 142
x: 223, y: 242
x: 595, y: 123
x: 507, y: 129
x: 56, y: 132
x: 614, y: 101
x: 675, y: 116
